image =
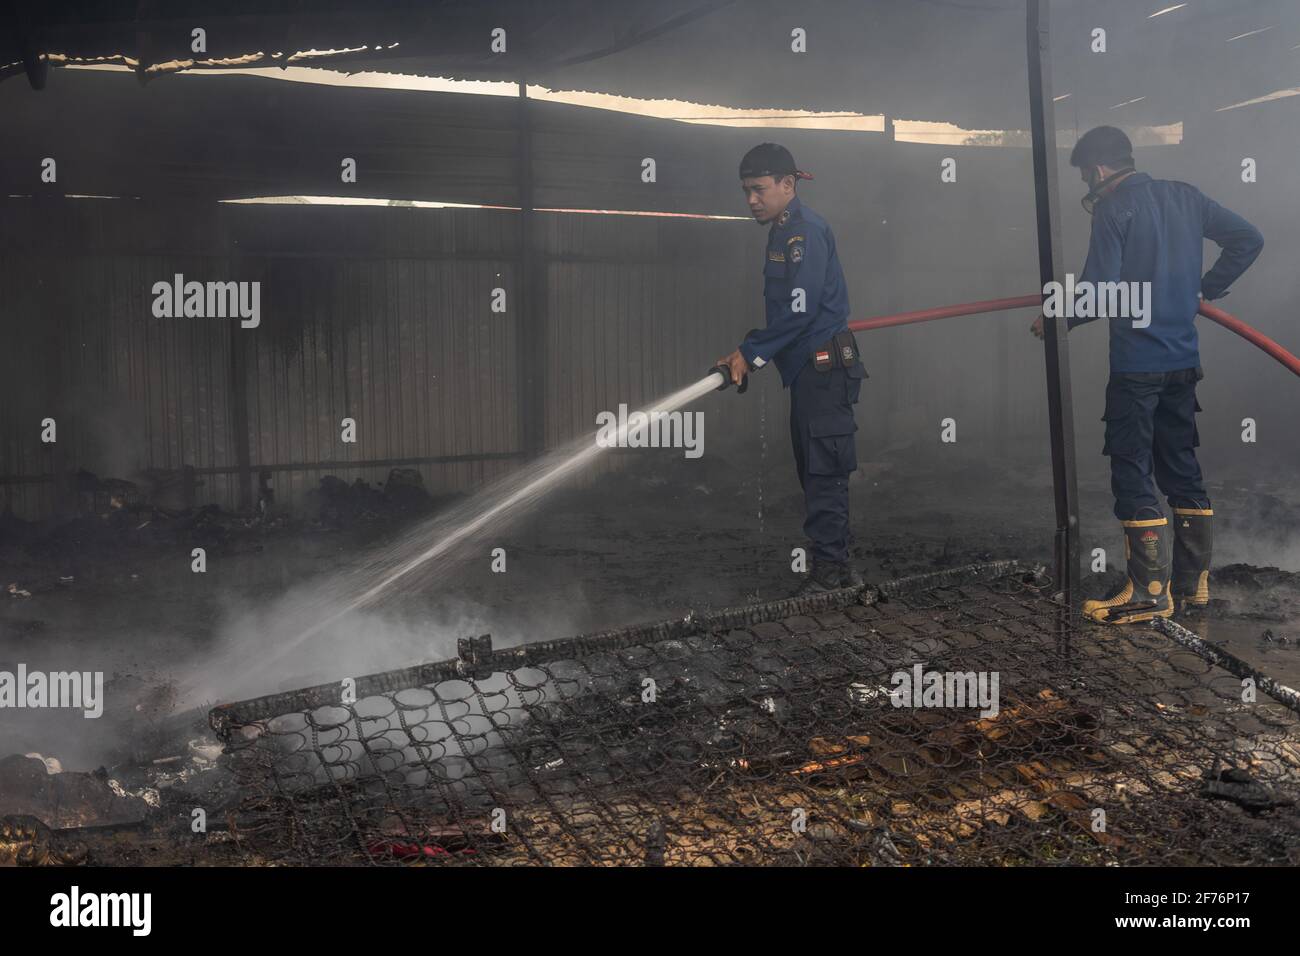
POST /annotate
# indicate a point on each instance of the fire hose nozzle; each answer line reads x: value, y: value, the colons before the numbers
x: 726, y: 379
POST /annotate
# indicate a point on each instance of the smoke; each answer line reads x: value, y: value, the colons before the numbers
x: 320, y: 625
x: 258, y: 651
x: 1259, y: 529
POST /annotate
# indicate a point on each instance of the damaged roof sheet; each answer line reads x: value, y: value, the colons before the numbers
x: 958, y: 61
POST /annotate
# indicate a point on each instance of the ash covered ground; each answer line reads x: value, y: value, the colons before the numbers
x: 636, y: 545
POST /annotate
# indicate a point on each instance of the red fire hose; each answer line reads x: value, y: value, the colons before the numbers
x: 1230, y: 322
x: 1251, y: 335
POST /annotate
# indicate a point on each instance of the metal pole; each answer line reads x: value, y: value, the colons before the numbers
x: 531, y: 342
x: 240, y: 350
x: 1060, y: 413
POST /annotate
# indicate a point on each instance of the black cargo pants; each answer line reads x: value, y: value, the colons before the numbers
x: 822, y: 435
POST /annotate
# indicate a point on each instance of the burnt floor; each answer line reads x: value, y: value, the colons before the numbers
x: 633, y: 547
x: 771, y: 738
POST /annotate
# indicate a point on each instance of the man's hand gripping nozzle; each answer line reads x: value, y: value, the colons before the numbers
x: 726, y: 379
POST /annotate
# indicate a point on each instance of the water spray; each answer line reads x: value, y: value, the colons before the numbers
x: 495, y: 504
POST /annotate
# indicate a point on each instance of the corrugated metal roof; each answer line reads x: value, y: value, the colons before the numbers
x: 935, y: 60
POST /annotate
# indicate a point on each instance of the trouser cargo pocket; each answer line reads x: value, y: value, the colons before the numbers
x: 1130, y: 406
x: 853, y: 376
x: 832, y: 449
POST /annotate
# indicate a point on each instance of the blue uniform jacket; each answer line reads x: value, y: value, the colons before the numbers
x: 800, y: 256
x: 1150, y: 230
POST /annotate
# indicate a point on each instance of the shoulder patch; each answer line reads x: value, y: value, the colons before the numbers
x: 794, y: 239
x: 796, y: 249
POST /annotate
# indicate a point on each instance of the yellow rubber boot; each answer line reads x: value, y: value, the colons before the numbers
x: 1145, y: 593
x: 1193, y: 538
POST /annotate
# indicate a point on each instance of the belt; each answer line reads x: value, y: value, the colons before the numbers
x: 840, y: 351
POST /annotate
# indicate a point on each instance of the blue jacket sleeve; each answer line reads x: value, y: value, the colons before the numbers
x: 1105, y: 255
x: 784, y: 323
x: 1240, y: 241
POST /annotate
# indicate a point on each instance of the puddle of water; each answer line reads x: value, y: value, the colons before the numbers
x: 1242, y: 638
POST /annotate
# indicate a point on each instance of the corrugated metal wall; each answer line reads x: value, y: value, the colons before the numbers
x: 382, y: 315
x: 404, y: 343
x: 394, y: 329
x: 639, y: 307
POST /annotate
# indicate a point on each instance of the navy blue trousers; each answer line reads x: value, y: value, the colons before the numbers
x: 1151, y: 431
x: 825, y: 453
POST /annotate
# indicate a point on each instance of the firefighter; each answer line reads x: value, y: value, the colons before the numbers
x: 807, y: 338
x: 1148, y: 230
